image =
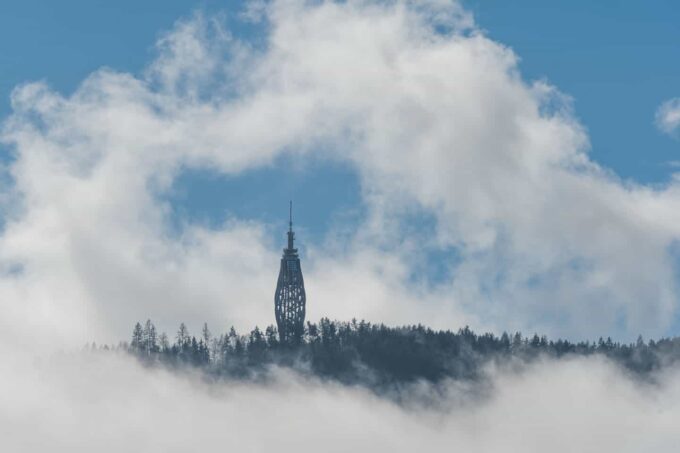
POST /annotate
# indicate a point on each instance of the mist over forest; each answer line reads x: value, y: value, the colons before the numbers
x: 384, y: 359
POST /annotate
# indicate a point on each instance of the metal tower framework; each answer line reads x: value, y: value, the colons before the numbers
x: 290, y: 298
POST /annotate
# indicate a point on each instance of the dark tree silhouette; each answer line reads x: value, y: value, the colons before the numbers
x: 137, y: 338
x: 378, y: 356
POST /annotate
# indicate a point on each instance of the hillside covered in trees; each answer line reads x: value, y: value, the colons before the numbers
x: 375, y: 355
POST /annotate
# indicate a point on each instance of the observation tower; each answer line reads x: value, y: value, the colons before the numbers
x: 289, y: 300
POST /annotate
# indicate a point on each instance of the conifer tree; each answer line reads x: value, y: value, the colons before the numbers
x: 150, y: 339
x: 163, y: 342
x: 182, y: 337
x: 206, y: 336
x: 137, y: 338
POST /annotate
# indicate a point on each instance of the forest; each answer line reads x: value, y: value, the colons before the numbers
x: 377, y: 356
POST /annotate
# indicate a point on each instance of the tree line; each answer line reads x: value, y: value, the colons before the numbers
x: 376, y: 355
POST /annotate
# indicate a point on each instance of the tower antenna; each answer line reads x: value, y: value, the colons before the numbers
x: 290, y: 225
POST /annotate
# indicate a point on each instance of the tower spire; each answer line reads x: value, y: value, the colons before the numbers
x: 291, y: 235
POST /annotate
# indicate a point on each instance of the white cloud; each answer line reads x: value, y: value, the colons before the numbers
x: 110, y: 404
x: 668, y: 116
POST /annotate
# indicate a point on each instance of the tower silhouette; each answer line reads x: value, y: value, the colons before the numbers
x: 290, y: 298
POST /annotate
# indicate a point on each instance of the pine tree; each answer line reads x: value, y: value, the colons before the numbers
x: 150, y: 338
x: 505, y: 342
x: 163, y: 342
x: 225, y: 348
x: 272, y: 337
x: 256, y: 345
x: 182, y: 337
x: 232, y: 338
x: 206, y: 337
x: 137, y: 338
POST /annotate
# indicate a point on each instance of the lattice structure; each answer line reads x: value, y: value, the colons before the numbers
x: 289, y: 300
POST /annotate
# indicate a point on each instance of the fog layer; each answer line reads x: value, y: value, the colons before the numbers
x: 109, y: 403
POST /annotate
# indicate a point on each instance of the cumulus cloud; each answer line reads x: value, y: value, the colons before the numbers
x: 668, y: 116
x: 432, y: 114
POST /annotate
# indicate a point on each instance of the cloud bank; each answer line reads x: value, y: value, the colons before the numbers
x: 109, y: 403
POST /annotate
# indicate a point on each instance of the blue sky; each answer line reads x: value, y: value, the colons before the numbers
x: 63, y: 43
x: 618, y: 63
x: 617, y: 60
